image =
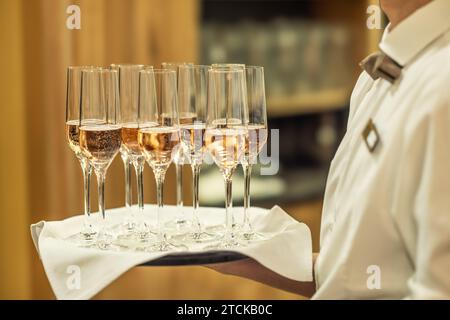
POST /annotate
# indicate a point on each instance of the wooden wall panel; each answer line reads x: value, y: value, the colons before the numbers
x: 112, y: 31
x: 15, y: 276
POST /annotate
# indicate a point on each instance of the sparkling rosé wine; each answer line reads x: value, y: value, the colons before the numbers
x: 193, y: 140
x: 255, y: 139
x: 129, y: 134
x: 226, y: 122
x: 226, y: 146
x: 158, y: 144
x: 73, y: 136
x: 184, y: 118
x: 187, y: 117
x: 100, y: 143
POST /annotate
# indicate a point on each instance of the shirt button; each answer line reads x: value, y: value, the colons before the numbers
x: 330, y: 227
x: 328, y: 230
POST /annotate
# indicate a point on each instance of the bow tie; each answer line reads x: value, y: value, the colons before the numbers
x: 379, y: 65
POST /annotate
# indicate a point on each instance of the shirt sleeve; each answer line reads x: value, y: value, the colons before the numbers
x: 431, y: 208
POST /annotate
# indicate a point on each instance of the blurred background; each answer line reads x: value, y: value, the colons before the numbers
x: 310, y: 51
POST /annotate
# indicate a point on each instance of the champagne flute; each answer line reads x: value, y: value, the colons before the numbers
x: 100, y: 131
x: 225, y: 133
x: 158, y: 104
x: 192, y: 99
x: 128, y: 82
x: 180, y: 223
x: 229, y: 66
x: 73, y: 95
x: 130, y: 151
x: 255, y: 140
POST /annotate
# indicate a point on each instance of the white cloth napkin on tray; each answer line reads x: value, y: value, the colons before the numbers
x: 288, y: 251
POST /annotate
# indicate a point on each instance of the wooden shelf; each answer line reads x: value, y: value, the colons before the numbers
x: 308, y: 102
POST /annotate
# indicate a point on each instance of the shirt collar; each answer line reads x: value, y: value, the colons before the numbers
x: 418, y: 30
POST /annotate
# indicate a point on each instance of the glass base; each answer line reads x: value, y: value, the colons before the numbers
x: 252, y: 236
x: 226, y: 242
x: 107, y: 241
x: 129, y: 224
x: 197, y: 237
x: 177, y: 224
x: 178, y: 227
x: 202, y: 236
x: 85, y: 239
x: 161, y: 245
x: 125, y: 233
x: 236, y: 227
x: 142, y: 233
x: 141, y: 230
x: 218, y: 229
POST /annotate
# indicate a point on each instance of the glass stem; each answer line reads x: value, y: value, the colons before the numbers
x: 139, y: 168
x: 87, y: 170
x: 228, y: 208
x: 159, y: 177
x: 195, y: 200
x: 179, y: 174
x: 104, y: 238
x: 130, y: 219
x: 247, y: 168
x: 101, y: 195
x: 128, y: 200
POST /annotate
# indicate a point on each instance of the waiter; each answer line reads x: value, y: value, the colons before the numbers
x: 385, y: 229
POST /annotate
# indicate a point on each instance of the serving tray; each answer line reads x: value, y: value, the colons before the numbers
x: 192, y: 259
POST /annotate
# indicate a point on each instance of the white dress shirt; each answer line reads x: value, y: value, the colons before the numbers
x: 386, y: 218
